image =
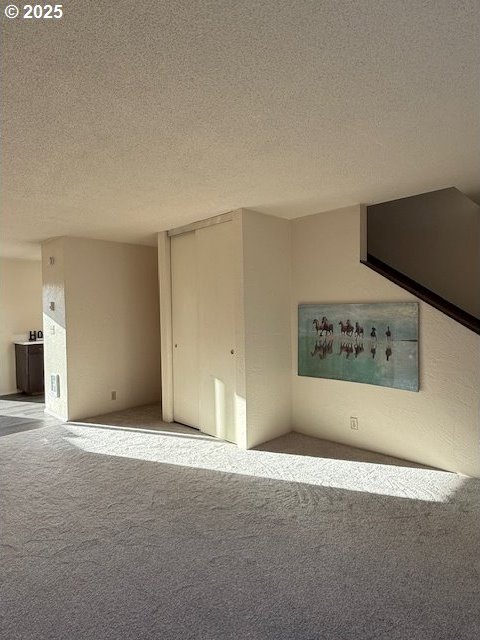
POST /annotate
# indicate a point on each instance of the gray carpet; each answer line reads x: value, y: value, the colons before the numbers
x: 116, y: 534
x: 147, y: 417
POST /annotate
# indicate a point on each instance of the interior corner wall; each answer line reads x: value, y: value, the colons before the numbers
x: 113, y: 341
x: 54, y: 326
x: 439, y: 425
x: 21, y: 311
x: 266, y: 281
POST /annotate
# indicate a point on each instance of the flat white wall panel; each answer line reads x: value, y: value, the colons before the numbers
x: 216, y: 330
x: 267, y: 275
x: 112, y: 313
x: 184, y: 273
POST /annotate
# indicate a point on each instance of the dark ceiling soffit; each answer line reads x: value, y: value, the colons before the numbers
x: 421, y: 292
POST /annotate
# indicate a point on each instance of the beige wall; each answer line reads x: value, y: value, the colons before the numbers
x: 112, y: 340
x: 21, y: 311
x: 266, y: 281
x: 112, y: 317
x: 439, y: 425
x: 54, y: 326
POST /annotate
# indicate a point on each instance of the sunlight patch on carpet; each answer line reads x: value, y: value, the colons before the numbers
x: 216, y: 455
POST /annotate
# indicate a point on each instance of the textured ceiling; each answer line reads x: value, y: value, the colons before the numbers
x: 129, y: 117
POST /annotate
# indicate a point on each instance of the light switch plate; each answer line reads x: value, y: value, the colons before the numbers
x: 55, y: 385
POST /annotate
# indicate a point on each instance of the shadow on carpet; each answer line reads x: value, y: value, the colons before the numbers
x: 99, y: 546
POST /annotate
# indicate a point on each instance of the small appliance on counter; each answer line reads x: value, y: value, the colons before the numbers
x: 35, y: 335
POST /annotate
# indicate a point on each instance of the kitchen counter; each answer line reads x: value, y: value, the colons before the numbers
x: 27, y: 342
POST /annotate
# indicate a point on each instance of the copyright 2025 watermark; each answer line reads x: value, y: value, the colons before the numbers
x: 12, y: 11
x: 34, y: 11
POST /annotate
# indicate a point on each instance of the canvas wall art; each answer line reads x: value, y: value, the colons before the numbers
x: 370, y: 343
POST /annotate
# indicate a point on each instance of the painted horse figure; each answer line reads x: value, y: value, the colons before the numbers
x: 328, y: 326
x: 358, y: 330
x: 346, y: 329
x: 323, y: 326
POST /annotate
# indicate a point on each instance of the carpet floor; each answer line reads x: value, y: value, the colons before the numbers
x: 124, y: 535
x: 148, y: 417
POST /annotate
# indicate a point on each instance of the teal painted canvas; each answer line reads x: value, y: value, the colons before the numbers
x: 368, y: 343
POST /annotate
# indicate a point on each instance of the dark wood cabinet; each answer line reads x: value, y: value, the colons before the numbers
x: 29, y: 365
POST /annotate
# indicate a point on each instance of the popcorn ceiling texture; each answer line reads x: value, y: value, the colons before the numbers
x: 125, y: 118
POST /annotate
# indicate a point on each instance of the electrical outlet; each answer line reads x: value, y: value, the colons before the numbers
x: 354, y: 423
x: 52, y: 330
x: 114, y: 395
x: 51, y: 306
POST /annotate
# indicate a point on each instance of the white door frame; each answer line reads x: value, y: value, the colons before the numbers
x: 165, y: 292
